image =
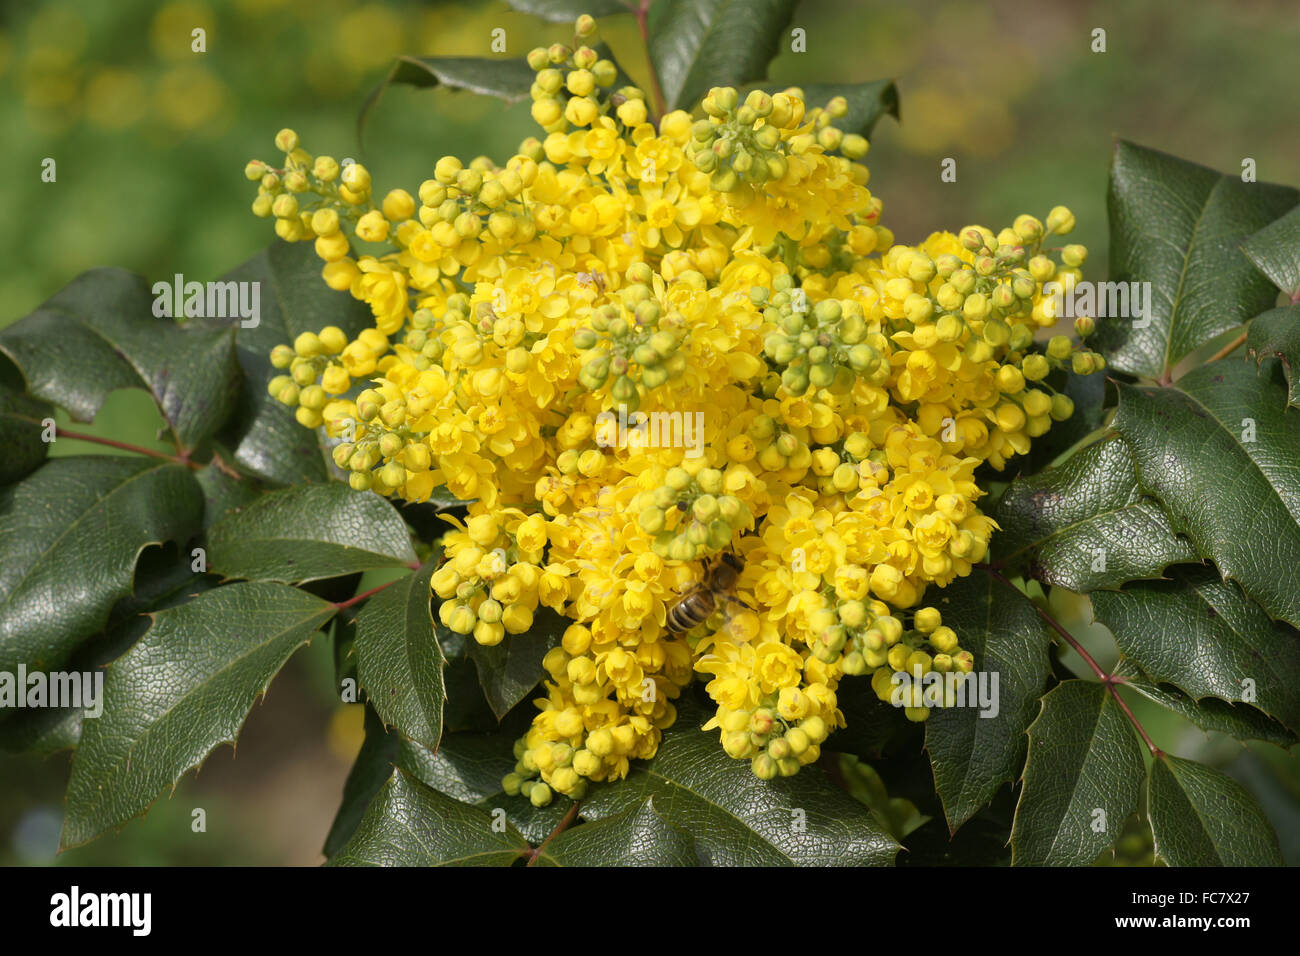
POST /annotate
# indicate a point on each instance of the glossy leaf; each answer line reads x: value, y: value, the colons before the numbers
x: 309, y: 532
x: 507, y: 79
x: 1082, y: 779
x: 1086, y: 524
x: 699, y: 44
x: 224, y: 492
x: 1202, y: 635
x: 1276, y: 334
x: 410, y: 824
x: 162, y: 580
x: 70, y: 534
x: 509, y: 671
x: 1202, y: 817
x: 972, y: 755
x: 637, y: 837
x: 21, y: 430
x: 1179, y: 226
x: 1275, y: 250
x: 100, y: 334
x: 1218, y: 448
x: 1237, y: 720
x: 369, y: 773
x: 737, y: 819
x: 180, y: 693
x: 469, y: 768
x: 399, y: 662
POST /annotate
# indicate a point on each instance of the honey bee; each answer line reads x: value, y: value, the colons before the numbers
x: 699, y: 603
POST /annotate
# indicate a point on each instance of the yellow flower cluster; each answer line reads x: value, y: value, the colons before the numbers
x: 705, y: 408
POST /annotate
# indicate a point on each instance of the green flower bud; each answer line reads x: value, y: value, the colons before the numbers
x: 1035, y: 367
x: 720, y: 534
x: 854, y: 664
x: 651, y: 520
x: 342, y: 454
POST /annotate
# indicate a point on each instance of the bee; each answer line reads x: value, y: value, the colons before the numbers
x: 699, y: 603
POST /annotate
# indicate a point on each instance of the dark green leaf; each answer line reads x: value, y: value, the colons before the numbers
x: 636, y: 837
x: 1202, y: 635
x: 43, y: 731
x: 1084, y: 757
x: 1275, y: 250
x: 100, y: 334
x: 509, y: 80
x: 70, y: 534
x: 510, y: 670
x: 1085, y: 524
x: 699, y: 44
x: 469, y: 768
x: 868, y: 102
x: 373, y: 767
x: 506, y: 79
x: 566, y: 11
x: 973, y: 755
x: 265, y: 437
x: 410, y: 824
x: 1218, y: 448
x: 224, y: 492
x: 1202, y: 817
x: 181, y: 692
x: 1180, y: 226
x: 20, y: 432
x: 1276, y: 334
x: 466, y: 708
x: 399, y: 663
x: 1237, y: 720
x: 163, y: 579
x: 737, y: 819
x: 309, y: 532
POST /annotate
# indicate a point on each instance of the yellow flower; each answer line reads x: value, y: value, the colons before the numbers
x: 383, y: 288
x: 644, y: 360
x: 776, y: 665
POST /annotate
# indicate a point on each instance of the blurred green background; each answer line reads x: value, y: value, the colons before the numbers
x: 150, y: 140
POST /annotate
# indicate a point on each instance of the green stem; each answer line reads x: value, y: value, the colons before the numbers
x: 340, y: 605
x: 563, y: 825
x: 1107, y: 680
x: 137, y: 449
